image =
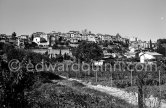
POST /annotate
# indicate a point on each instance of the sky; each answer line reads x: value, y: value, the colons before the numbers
x: 145, y: 19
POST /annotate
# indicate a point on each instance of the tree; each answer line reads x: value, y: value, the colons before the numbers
x: 161, y: 41
x: 87, y: 51
x: 42, y: 40
x: 14, y: 35
x: 60, y: 39
x: 106, y: 43
x: 33, y: 45
x: 160, y: 46
x: 50, y: 40
x: 151, y: 49
x: 140, y: 76
x: 140, y: 82
x: 55, y: 46
x: 111, y: 42
x: 32, y: 37
x: 67, y: 43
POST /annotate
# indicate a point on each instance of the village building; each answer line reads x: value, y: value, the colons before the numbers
x: 149, y: 57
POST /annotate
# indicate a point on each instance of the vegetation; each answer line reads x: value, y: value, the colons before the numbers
x: 88, y: 51
x: 30, y: 45
x: 150, y: 46
x: 59, y: 44
x: 160, y: 46
x: 14, y: 35
x: 121, y: 79
x: 31, y: 89
x: 69, y: 94
x: 14, y: 84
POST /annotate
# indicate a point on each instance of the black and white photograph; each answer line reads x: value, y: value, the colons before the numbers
x: 82, y: 53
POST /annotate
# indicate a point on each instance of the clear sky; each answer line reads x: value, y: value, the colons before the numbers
x: 145, y: 19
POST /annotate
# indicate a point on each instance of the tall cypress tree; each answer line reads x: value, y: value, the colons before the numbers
x: 32, y: 37
x: 151, y: 48
x: 50, y: 41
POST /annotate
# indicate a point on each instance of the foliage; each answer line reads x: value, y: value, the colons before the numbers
x: 14, y: 84
x: 30, y: 45
x: 42, y: 40
x: 60, y: 45
x: 60, y: 39
x: 67, y: 57
x: 160, y: 48
x: 161, y: 41
x: 7, y: 47
x: 14, y: 35
x: 32, y: 37
x: 55, y: 46
x: 87, y: 51
x: 151, y: 48
x: 105, y: 44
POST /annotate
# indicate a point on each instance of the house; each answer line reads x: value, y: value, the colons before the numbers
x: 3, y: 36
x: 106, y: 37
x: 74, y: 45
x: 44, y: 44
x: 3, y: 40
x: 132, y: 49
x: 54, y: 35
x: 52, y: 39
x: 98, y: 63
x: 13, y: 41
x: 73, y: 40
x: 84, y: 37
x: 91, y: 38
x: 45, y: 36
x: 65, y: 36
x: 144, y: 45
x: 23, y: 37
x: 36, y: 40
x: 20, y: 43
x: 149, y: 56
x: 42, y: 35
x: 74, y: 36
x: 41, y: 43
x: 130, y: 55
x: 133, y: 39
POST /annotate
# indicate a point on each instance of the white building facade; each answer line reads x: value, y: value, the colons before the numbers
x: 149, y: 56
